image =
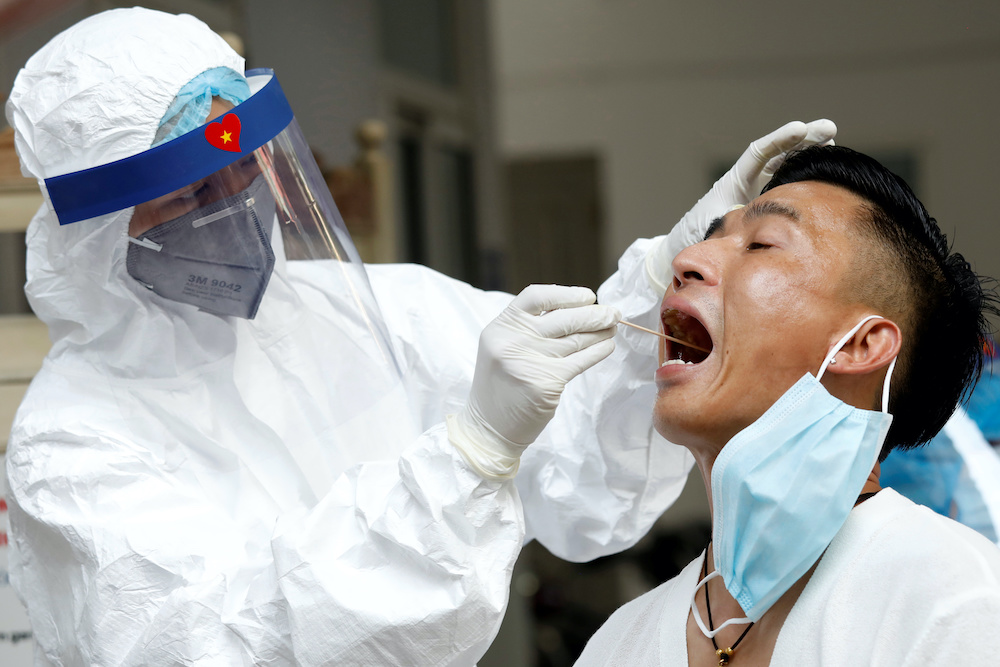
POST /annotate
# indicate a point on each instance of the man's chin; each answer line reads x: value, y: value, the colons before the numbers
x: 689, y: 428
x: 676, y: 428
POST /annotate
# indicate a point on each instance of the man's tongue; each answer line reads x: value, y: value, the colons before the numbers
x: 686, y: 328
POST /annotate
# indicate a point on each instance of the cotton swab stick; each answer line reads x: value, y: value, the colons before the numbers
x: 663, y: 335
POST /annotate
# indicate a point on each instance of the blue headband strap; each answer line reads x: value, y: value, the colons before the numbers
x: 170, y: 166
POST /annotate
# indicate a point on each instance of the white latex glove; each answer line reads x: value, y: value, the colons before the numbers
x: 548, y: 335
x: 738, y: 186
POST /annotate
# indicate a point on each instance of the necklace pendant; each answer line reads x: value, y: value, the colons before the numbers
x: 724, y: 655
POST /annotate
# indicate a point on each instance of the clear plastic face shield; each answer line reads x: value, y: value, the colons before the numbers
x: 211, y: 195
x: 234, y: 219
x: 208, y: 244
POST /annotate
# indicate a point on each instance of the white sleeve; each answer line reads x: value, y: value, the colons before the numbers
x: 123, y: 562
x: 599, y: 475
x: 435, y: 322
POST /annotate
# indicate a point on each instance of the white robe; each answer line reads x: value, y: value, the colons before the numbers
x: 899, y: 585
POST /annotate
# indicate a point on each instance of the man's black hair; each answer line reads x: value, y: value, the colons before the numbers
x: 941, y: 301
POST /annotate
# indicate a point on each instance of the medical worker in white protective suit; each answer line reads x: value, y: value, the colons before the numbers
x: 240, y: 451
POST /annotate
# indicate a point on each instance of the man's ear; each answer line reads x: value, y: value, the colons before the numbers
x: 873, y: 347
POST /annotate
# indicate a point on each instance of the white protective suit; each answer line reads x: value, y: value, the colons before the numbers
x: 169, y: 498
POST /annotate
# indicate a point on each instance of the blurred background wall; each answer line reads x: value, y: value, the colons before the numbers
x: 530, y: 141
x: 663, y: 95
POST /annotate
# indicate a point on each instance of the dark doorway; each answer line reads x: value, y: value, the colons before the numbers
x: 555, y: 221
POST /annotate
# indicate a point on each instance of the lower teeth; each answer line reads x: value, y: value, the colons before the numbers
x: 675, y: 362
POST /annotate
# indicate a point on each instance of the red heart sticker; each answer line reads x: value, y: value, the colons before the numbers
x: 225, y: 134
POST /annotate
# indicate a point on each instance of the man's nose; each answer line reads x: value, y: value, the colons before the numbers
x: 696, y: 264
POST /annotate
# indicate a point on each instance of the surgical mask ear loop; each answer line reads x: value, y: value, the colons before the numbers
x: 843, y: 341
x: 710, y: 634
x: 885, y: 386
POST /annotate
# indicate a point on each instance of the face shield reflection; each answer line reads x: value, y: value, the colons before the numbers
x: 227, y: 182
x: 207, y: 244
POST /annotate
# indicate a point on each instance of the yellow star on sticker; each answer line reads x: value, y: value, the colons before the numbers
x: 226, y: 137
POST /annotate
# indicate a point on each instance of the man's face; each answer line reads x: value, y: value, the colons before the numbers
x: 763, y: 292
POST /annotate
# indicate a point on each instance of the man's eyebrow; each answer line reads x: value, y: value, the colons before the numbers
x: 712, y: 228
x: 758, y: 209
x: 753, y: 211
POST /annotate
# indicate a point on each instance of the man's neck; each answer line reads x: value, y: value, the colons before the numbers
x: 872, y: 484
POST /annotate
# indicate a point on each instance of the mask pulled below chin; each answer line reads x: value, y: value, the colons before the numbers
x: 783, y: 487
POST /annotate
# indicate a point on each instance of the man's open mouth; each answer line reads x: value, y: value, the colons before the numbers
x: 686, y: 328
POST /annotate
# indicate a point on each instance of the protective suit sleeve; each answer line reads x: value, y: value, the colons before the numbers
x: 143, y: 565
x: 598, y: 475
x: 403, y: 559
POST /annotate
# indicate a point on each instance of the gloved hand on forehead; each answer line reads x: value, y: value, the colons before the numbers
x: 548, y: 335
x: 737, y: 186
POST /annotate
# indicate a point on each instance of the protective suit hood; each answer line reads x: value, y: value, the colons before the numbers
x: 85, y: 100
x: 68, y: 115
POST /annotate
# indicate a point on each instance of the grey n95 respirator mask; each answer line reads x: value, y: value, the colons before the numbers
x: 217, y: 257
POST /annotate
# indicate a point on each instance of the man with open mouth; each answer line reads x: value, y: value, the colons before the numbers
x: 816, y: 329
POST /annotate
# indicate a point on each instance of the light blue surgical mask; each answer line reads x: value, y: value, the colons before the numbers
x: 783, y: 487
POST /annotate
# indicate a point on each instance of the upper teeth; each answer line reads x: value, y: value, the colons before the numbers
x: 674, y: 362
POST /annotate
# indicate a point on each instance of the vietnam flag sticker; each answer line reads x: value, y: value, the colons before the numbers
x: 225, y: 134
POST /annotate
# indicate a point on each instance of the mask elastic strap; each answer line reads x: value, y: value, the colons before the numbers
x: 843, y: 341
x: 885, y: 386
x: 710, y: 634
x: 224, y: 213
x: 146, y: 243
